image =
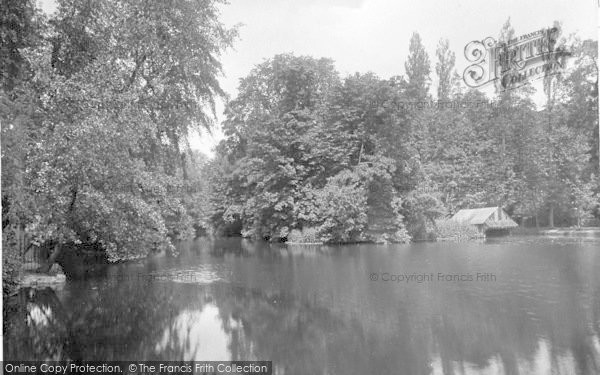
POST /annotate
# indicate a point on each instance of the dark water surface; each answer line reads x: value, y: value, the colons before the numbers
x: 535, y: 308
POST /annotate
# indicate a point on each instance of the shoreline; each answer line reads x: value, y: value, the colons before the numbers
x: 27, y: 278
x: 557, y: 231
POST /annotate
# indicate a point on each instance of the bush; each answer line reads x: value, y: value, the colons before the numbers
x: 421, y: 209
x: 401, y: 236
x: 338, y: 211
x: 11, y: 264
x: 454, y: 230
x: 306, y: 235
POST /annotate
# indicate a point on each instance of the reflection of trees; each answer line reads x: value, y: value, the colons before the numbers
x: 576, y: 332
x: 467, y: 330
x: 34, y: 326
x: 112, y: 322
x: 555, y: 308
x: 512, y: 325
x: 299, y: 335
x: 302, y: 337
x: 595, y: 282
x: 596, y: 316
x: 310, y: 323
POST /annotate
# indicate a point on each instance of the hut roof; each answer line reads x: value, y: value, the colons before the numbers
x: 476, y: 216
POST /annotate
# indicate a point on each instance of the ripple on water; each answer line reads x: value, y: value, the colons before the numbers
x: 201, y: 275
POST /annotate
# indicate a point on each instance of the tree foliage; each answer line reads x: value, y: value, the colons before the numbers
x: 98, y: 102
x: 362, y: 158
x: 94, y: 136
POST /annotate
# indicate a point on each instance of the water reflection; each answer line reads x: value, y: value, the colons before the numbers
x: 197, y: 335
x: 315, y: 310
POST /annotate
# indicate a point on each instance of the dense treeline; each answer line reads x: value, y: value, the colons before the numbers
x: 98, y: 101
x: 366, y: 158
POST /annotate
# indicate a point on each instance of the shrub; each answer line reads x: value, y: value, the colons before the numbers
x: 454, y: 230
x: 401, y: 236
x: 305, y: 235
x: 11, y: 264
x: 338, y: 211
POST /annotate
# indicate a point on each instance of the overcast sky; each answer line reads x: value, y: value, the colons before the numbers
x: 373, y: 35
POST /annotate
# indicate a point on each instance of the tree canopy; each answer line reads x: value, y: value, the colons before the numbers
x: 99, y: 99
x: 363, y: 157
x: 97, y: 107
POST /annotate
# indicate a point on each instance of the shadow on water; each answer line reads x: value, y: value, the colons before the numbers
x: 315, y: 310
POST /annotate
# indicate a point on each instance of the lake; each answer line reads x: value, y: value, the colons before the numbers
x: 513, y: 305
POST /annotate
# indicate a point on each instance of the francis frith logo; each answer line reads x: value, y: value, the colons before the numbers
x: 510, y: 64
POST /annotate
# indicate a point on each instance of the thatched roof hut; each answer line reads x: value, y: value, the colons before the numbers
x: 486, y: 219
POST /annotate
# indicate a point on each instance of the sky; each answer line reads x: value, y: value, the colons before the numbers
x: 373, y: 35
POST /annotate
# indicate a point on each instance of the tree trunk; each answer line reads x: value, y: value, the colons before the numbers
x: 360, y: 152
x: 184, y: 166
x: 19, y: 242
x: 55, y: 253
x: 535, y: 209
x: 551, y: 217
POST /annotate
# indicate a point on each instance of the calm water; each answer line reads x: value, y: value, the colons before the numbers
x: 319, y: 310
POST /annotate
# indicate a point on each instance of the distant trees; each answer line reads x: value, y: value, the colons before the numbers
x: 418, y: 69
x: 365, y: 158
x: 579, y: 93
x: 444, y: 69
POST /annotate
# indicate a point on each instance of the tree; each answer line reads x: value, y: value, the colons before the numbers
x: 444, y: 68
x: 21, y: 27
x: 579, y: 91
x: 117, y: 87
x: 275, y: 141
x: 417, y: 69
x: 304, y: 149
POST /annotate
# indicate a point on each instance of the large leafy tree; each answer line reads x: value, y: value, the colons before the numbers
x: 273, y: 131
x: 117, y: 86
x: 303, y: 149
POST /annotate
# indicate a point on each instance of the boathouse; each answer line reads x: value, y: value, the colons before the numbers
x: 487, y: 220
